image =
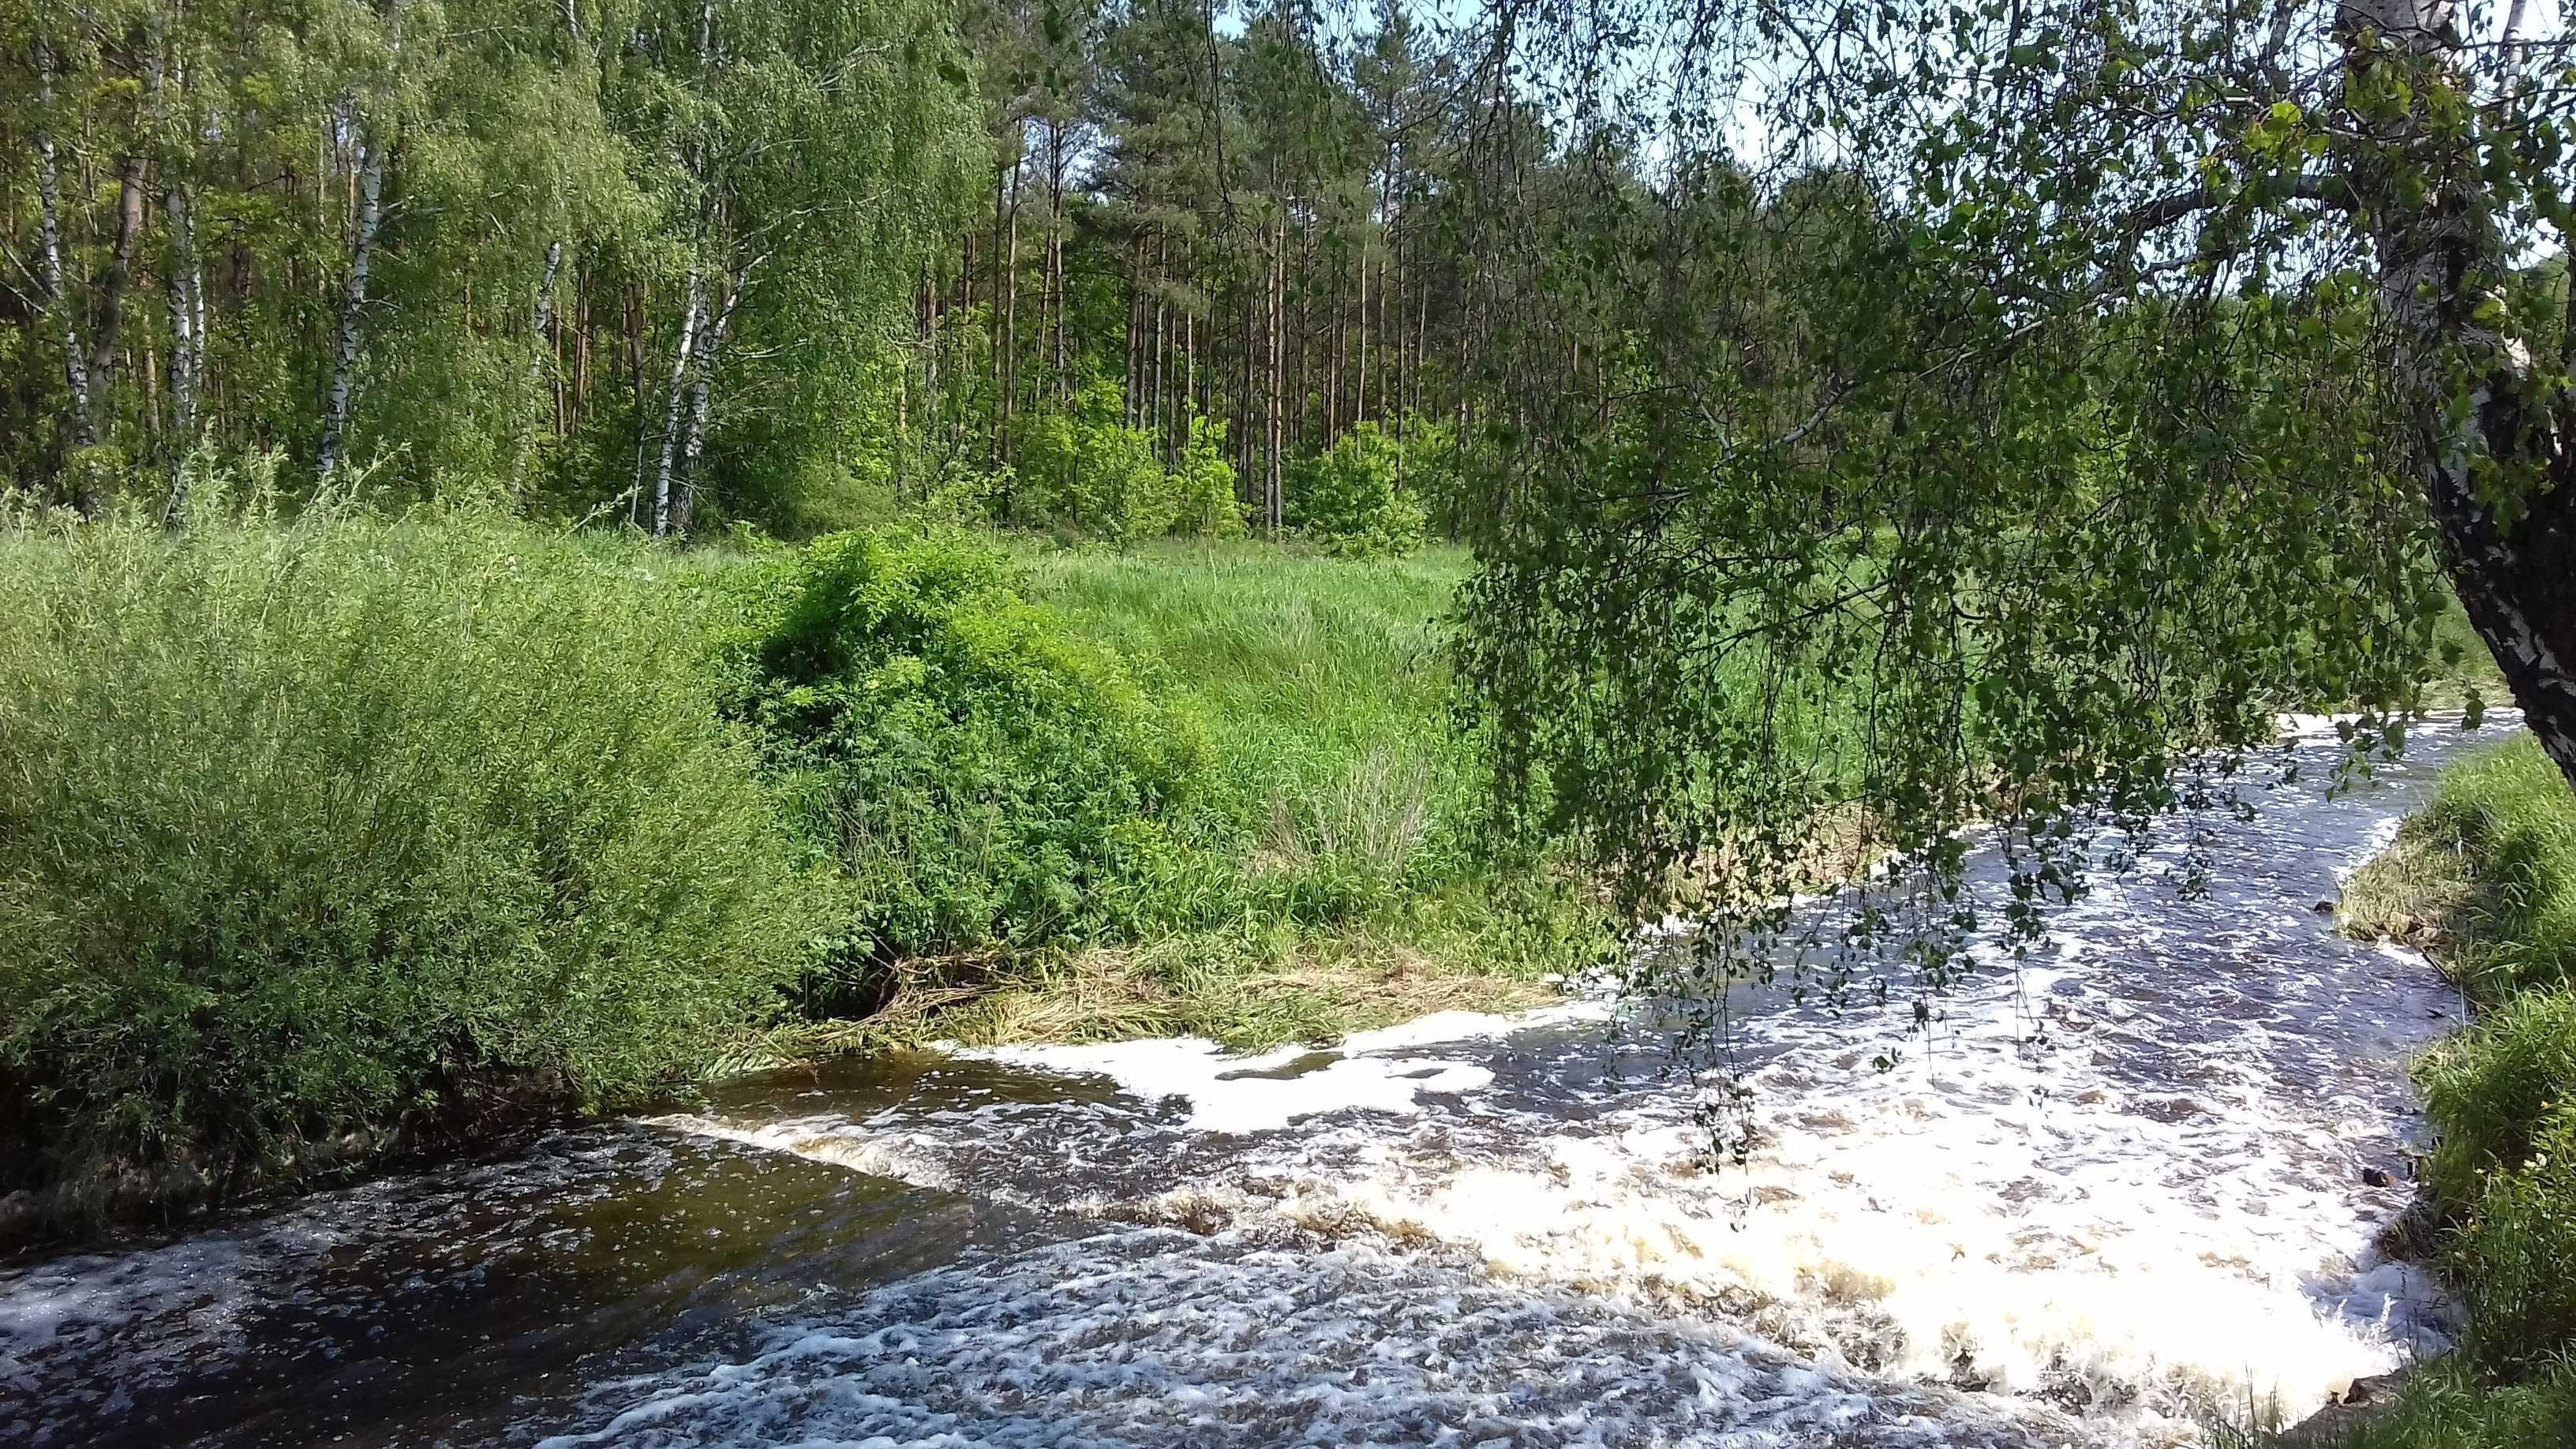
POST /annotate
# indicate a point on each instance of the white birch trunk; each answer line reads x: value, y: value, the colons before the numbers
x: 681, y: 353
x: 353, y: 301
x: 545, y: 313
x: 49, y: 231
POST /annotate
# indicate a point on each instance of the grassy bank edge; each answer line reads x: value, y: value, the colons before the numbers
x: 2483, y: 879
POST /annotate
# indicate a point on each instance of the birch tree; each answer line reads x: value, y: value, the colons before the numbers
x: 2016, y: 401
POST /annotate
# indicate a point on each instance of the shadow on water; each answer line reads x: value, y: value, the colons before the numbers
x: 433, y: 1307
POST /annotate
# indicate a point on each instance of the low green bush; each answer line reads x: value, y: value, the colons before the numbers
x: 1081, y: 470
x: 327, y: 826
x: 984, y: 778
x: 1350, y: 500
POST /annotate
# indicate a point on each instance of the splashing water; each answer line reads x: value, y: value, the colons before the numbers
x: 2104, y: 1197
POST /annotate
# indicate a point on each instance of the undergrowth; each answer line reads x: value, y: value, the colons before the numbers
x: 342, y: 826
x: 331, y: 833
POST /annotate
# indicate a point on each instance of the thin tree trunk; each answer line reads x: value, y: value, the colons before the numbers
x: 111, y: 285
x: 49, y: 231
x: 353, y: 301
x: 581, y: 327
x: 187, y: 293
x: 681, y: 352
x: 1359, y: 406
x: 1131, y: 413
x: 1162, y: 343
x: 635, y: 383
x: 545, y: 311
x: 1009, y: 361
x: 1055, y: 232
x: 1001, y: 177
x: 930, y: 400
x: 1275, y: 507
x: 709, y: 353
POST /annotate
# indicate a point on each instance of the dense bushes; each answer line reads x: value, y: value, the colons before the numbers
x: 322, y: 826
x: 1165, y: 792
x: 352, y: 826
x: 1084, y: 471
x: 983, y: 778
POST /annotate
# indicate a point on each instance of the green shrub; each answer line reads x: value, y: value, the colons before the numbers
x: 984, y: 778
x: 1202, y: 486
x: 321, y: 826
x: 1348, y: 499
x: 1087, y: 476
x: 1084, y: 471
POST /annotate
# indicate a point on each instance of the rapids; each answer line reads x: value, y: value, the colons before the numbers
x: 2103, y: 1198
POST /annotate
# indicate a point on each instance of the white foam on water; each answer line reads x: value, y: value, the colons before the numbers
x: 1152, y: 1338
x: 2124, y: 1176
x: 1242, y: 1095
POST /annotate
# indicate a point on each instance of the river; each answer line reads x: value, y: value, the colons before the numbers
x: 2105, y: 1196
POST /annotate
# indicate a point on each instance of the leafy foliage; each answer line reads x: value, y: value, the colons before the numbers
x: 1351, y: 499
x: 339, y: 825
x: 1084, y: 472
x: 983, y: 778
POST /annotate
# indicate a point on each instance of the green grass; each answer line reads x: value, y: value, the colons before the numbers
x: 2485, y: 877
x: 1366, y: 890
x: 1344, y: 880
x: 2447, y: 1405
x: 1322, y: 682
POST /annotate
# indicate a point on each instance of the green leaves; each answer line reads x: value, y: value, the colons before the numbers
x: 978, y: 774
x: 327, y: 821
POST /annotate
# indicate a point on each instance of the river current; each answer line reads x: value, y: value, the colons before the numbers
x: 2107, y: 1196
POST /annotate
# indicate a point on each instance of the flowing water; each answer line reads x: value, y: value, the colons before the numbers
x: 2103, y: 1197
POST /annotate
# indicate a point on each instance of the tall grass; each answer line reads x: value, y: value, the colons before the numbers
x: 1321, y: 682
x: 2486, y: 875
x: 343, y: 826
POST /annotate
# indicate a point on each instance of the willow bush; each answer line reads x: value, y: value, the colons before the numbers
x: 332, y: 825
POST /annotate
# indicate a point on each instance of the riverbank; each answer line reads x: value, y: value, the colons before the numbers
x: 338, y: 836
x: 2484, y: 879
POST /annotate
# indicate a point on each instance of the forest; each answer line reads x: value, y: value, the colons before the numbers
x: 1116, y: 274
x: 560, y: 556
